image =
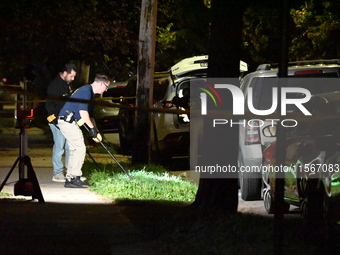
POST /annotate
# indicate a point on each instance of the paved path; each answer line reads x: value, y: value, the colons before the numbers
x: 71, y: 221
x: 53, y: 192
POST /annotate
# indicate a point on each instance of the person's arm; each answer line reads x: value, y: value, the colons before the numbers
x: 86, y: 118
x: 91, y: 126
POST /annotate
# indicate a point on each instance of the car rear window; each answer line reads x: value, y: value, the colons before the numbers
x: 161, y: 85
x: 263, y: 87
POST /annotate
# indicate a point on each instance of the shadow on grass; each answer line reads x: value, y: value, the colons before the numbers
x: 179, y: 229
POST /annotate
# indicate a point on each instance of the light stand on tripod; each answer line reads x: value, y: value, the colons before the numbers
x: 26, y: 185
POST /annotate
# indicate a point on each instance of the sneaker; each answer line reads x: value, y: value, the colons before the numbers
x: 58, y: 177
x: 75, y: 183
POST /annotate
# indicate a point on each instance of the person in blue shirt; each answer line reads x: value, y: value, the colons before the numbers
x: 59, y: 87
x: 70, y: 116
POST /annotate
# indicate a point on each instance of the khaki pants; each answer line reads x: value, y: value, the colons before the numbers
x: 75, y: 139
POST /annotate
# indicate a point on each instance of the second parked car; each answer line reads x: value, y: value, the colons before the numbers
x: 106, y: 114
x: 252, y: 142
x: 312, y: 163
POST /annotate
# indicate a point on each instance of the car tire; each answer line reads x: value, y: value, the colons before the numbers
x: 267, y: 194
x: 268, y: 200
x: 250, y: 185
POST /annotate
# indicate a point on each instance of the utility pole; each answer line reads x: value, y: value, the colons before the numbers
x: 145, y: 73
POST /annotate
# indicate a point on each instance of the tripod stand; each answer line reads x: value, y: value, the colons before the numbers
x: 25, y: 186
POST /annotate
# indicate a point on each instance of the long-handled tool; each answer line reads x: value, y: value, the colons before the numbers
x: 109, y: 152
x: 114, y: 158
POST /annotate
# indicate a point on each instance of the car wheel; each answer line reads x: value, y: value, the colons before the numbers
x: 267, y: 194
x: 268, y: 200
x: 250, y: 184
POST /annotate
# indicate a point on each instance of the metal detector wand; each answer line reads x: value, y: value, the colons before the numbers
x: 107, y: 150
x: 114, y: 159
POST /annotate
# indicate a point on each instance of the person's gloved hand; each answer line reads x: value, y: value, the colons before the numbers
x: 95, y: 135
x: 98, y: 138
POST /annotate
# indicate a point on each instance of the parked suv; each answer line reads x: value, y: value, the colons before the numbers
x: 170, y: 137
x: 252, y: 142
x: 173, y: 130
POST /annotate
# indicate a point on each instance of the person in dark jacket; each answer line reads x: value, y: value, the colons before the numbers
x: 59, y: 87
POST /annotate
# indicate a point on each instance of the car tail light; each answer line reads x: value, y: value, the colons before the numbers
x: 167, y: 104
x: 306, y: 72
x: 172, y: 139
x: 269, y: 152
x: 252, y: 133
x: 155, y: 102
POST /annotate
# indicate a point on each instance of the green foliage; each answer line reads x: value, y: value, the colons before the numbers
x: 4, y: 194
x: 314, y: 31
x: 104, y: 33
x: 183, y: 31
x: 261, y: 33
x: 317, y: 31
x: 146, y: 183
x: 166, y: 37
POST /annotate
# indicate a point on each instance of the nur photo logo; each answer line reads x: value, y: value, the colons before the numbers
x: 217, y: 91
x: 213, y: 94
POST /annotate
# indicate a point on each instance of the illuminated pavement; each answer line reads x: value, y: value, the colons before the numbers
x: 71, y: 221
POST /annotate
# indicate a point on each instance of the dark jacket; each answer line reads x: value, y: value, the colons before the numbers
x: 58, y: 87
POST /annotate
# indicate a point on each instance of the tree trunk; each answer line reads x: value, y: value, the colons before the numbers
x: 221, y: 195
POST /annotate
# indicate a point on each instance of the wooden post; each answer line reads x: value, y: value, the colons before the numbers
x: 145, y: 73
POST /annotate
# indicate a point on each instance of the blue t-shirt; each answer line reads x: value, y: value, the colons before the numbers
x: 84, y: 93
